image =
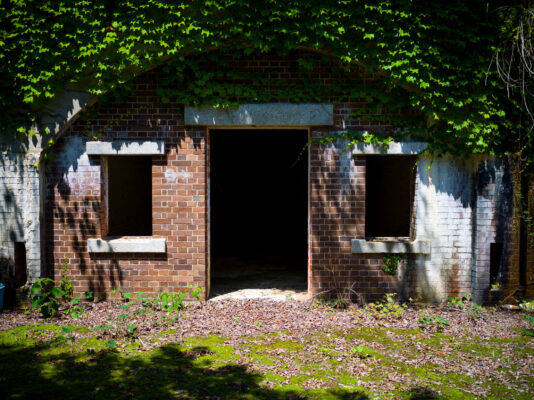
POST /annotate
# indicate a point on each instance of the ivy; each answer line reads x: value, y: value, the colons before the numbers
x: 432, y: 58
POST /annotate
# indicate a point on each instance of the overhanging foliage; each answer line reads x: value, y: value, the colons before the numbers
x: 438, y: 53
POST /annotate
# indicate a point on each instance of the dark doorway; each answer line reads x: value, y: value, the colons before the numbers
x: 258, y: 210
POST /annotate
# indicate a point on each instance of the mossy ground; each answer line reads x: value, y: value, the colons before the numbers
x: 49, y: 361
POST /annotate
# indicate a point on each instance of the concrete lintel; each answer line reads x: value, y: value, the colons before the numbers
x: 126, y: 147
x: 418, y: 246
x: 127, y: 245
x: 394, y: 148
x: 270, y: 114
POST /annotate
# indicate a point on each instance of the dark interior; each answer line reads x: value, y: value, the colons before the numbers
x: 130, y: 196
x: 259, y: 209
x: 389, y: 185
x: 20, y: 264
x: 495, y: 261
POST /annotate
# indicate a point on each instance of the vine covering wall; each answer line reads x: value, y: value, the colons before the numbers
x: 433, y: 57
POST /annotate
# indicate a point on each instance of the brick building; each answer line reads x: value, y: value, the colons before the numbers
x: 168, y: 196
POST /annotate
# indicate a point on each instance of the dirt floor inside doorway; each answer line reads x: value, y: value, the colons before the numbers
x: 258, y: 214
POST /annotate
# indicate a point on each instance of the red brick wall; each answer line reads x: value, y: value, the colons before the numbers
x: 74, y: 205
x: 74, y: 199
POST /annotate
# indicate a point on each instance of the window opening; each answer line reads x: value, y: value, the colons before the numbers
x: 20, y: 264
x: 129, y: 191
x: 495, y: 261
x: 389, y: 185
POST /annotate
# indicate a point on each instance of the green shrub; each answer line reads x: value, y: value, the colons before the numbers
x: 46, y: 297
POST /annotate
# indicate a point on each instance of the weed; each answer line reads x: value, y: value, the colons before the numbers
x: 46, y: 297
x: 528, y: 331
x: 196, y: 292
x: 475, y: 311
x: 386, y: 308
x: 103, y: 328
x: 172, y: 301
x: 142, y: 311
x: 258, y: 324
x: 131, y: 331
x: 361, y: 351
x: 456, y: 302
x: 89, y: 296
x: 341, y: 291
x: 74, y: 309
x: 61, y: 339
x: 122, y: 317
x: 66, y: 284
x: 427, y: 320
x: 110, y: 344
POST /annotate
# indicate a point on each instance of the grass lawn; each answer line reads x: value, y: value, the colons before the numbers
x: 365, y: 357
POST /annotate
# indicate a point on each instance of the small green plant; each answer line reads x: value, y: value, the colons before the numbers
x: 74, y: 308
x: 172, y: 301
x: 339, y: 303
x: 456, y: 302
x: 66, y: 284
x: 89, y: 296
x: 258, y: 324
x: 475, y: 311
x: 142, y: 311
x: 389, y: 307
x: 131, y: 331
x: 104, y: 328
x: 236, y: 318
x: 528, y: 331
x: 427, y: 320
x: 122, y: 317
x: 196, y: 292
x: 361, y: 351
x: 60, y: 339
x: 146, y: 301
x: 111, y: 344
x: 391, y: 263
x: 46, y: 297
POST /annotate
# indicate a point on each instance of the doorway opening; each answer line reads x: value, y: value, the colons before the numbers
x: 258, y: 212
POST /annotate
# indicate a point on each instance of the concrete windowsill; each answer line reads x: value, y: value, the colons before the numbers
x: 418, y: 246
x: 127, y: 245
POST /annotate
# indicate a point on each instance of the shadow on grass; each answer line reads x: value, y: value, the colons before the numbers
x: 43, y: 371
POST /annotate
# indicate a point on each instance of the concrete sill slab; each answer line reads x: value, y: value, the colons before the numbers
x: 418, y: 246
x: 127, y: 245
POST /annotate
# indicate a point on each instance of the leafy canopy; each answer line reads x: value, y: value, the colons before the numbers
x: 438, y: 53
